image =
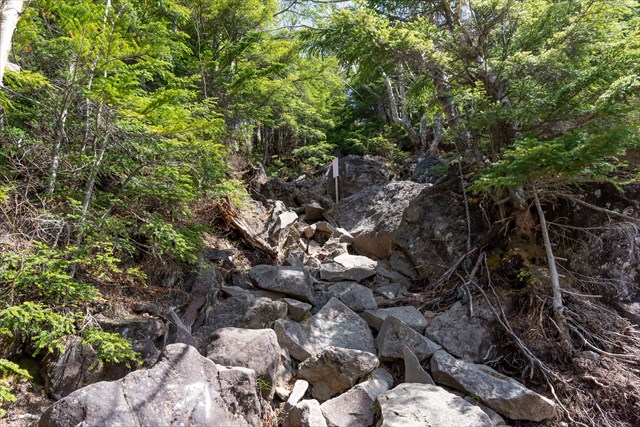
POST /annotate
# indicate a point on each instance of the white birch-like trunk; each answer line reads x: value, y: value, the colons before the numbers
x: 10, y: 11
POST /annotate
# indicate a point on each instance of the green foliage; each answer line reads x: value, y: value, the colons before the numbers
x: 110, y: 348
x: 41, y: 274
x: 44, y: 327
x: 179, y: 243
x: 8, y: 370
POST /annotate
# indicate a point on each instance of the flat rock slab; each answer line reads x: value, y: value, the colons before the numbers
x: 408, y: 314
x: 293, y: 281
x: 298, y: 310
x: 394, y: 335
x: 255, y: 349
x: 334, y: 325
x: 348, y: 267
x: 428, y: 405
x: 354, y: 295
x: 335, y: 370
x: 183, y: 388
x: 356, y: 407
x: 502, y: 394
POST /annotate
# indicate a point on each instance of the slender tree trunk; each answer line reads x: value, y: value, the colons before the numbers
x: 438, y: 129
x: 10, y: 11
x: 558, y: 307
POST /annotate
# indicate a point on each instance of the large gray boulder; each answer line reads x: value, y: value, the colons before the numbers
x: 292, y: 281
x: 464, y: 336
x: 335, y: 370
x: 356, y: 173
x: 395, y: 335
x: 408, y: 314
x: 255, y: 349
x: 502, y: 394
x: 334, y: 325
x: 433, y: 231
x: 373, y: 215
x: 183, y: 388
x: 354, y: 295
x: 428, y: 405
x: 356, y: 407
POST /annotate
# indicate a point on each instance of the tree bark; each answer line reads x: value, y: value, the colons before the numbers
x: 10, y: 11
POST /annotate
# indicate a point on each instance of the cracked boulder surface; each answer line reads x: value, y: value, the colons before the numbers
x: 183, y: 385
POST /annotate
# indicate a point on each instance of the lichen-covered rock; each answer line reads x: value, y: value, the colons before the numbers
x: 502, y: 394
x: 183, y: 388
x: 347, y: 267
x: 356, y: 174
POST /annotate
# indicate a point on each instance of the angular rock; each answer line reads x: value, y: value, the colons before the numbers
x: 242, y: 311
x: 306, y: 413
x: 413, y: 370
x: 373, y: 215
x: 408, y: 314
x: 298, y: 392
x: 348, y: 267
x: 496, y: 419
x: 285, y: 219
x: 463, y: 336
x: 287, y: 280
x: 356, y: 407
x: 313, y: 212
x: 335, y: 370
x: 182, y: 388
x: 426, y: 170
x: 354, y: 295
x: 394, y: 335
x: 502, y: 394
x: 298, y: 310
x: 334, y: 325
x: 428, y: 405
x: 255, y: 349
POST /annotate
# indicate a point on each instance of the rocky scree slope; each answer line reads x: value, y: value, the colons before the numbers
x: 332, y: 335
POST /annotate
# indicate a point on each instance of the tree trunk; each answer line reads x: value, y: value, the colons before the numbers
x: 10, y: 11
x: 398, y: 117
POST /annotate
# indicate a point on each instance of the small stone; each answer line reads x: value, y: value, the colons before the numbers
x: 298, y: 310
x: 299, y: 389
x: 282, y: 393
x: 313, y: 212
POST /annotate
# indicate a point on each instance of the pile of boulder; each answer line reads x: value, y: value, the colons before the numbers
x: 323, y: 340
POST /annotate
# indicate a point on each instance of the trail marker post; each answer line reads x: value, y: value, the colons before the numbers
x: 336, y: 173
